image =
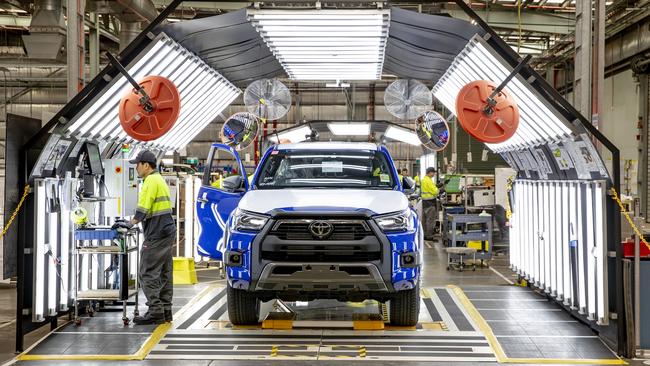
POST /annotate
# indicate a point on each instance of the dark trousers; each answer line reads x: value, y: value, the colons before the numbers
x: 430, y: 213
x: 156, y: 270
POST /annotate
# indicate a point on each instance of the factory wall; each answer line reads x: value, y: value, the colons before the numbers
x: 620, y: 116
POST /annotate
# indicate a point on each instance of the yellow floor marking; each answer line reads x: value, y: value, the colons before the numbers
x: 498, y: 350
x: 142, y: 353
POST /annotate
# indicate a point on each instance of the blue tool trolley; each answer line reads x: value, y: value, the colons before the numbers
x: 91, y: 243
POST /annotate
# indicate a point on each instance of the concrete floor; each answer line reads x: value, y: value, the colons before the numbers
x: 434, y: 275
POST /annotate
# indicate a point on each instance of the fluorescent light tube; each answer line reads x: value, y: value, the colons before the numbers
x: 349, y: 129
x: 39, y: 255
x: 294, y: 135
x: 402, y: 135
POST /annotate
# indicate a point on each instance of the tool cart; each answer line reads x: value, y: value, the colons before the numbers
x: 94, y: 280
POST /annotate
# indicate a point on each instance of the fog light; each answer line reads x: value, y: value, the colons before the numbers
x: 234, y: 259
x: 409, y: 259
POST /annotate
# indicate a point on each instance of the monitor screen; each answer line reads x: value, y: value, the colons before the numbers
x: 93, y: 159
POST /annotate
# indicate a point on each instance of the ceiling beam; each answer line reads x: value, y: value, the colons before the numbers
x: 530, y: 21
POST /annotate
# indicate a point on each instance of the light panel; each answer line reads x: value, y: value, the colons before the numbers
x: 349, y: 129
x: 325, y: 44
x: 538, y: 124
x: 39, y: 289
x: 204, y: 94
x: 402, y: 135
x: 296, y: 135
x: 557, y: 242
x: 190, y: 208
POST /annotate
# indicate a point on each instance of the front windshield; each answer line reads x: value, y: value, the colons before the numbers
x: 325, y: 169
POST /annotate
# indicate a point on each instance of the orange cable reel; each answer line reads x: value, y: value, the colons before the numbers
x: 490, y: 120
x: 148, y: 115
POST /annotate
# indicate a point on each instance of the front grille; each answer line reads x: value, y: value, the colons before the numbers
x: 341, y: 230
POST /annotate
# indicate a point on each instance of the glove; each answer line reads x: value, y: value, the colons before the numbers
x: 122, y: 225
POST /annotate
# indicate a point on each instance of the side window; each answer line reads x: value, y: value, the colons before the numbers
x: 222, y: 172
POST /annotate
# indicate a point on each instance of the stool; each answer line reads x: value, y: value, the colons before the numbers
x: 460, y: 252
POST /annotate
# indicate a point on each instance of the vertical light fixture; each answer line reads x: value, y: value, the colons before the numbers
x: 546, y: 238
x: 529, y: 233
x: 190, y: 202
x: 197, y: 227
x: 566, y: 239
x: 52, y: 257
x: 552, y: 238
x: 559, y: 244
x: 582, y: 270
x: 601, y: 253
x: 39, y: 289
x: 64, y: 266
x: 590, y: 249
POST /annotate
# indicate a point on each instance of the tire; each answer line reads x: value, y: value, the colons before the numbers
x: 243, y: 307
x: 405, y: 308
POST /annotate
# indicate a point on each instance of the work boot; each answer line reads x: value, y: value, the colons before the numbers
x: 150, y: 318
x: 168, y: 316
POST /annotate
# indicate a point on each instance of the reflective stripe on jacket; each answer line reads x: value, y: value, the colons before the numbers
x: 155, y: 208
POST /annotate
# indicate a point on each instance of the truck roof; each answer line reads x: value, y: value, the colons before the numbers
x: 338, y: 145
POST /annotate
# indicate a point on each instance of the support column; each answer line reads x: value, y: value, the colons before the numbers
x: 371, y: 102
x: 598, y: 63
x: 93, y: 45
x: 75, y: 46
x: 642, y: 124
x: 582, y: 76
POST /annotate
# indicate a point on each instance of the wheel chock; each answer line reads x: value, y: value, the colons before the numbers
x: 367, y: 322
x: 278, y: 320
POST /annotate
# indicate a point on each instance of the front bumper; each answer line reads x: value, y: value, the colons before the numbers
x: 383, y: 274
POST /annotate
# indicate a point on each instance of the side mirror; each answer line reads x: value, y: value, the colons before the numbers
x: 408, y: 185
x: 233, y: 183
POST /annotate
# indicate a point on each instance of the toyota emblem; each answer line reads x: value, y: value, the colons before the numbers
x: 321, y: 229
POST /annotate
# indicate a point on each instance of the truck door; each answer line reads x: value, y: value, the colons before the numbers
x: 223, y: 185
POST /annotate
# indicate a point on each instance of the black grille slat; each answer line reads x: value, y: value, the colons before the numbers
x: 338, y: 256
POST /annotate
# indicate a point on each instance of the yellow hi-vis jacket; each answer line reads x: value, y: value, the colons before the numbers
x: 429, y: 189
x: 155, y: 208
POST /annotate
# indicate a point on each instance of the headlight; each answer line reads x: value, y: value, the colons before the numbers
x: 398, y: 221
x: 247, y: 221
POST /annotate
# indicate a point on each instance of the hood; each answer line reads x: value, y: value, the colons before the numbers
x: 379, y: 202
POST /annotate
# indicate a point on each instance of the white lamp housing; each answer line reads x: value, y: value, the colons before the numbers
x: 204, y: 93
x: 349, y: 128
x: 539, y: 123
x: 402, y: 135
x: 295, y: 135
x: 325, y: 44
x: 558, y: 229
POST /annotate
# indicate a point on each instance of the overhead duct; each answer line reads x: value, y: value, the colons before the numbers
x: 128, y: 32
x: 131, y: 14
x: 127, y: 11
x: 46, y: 31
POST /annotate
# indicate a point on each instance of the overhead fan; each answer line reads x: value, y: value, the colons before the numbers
x: 407, y: 98
x: 268, y: 99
